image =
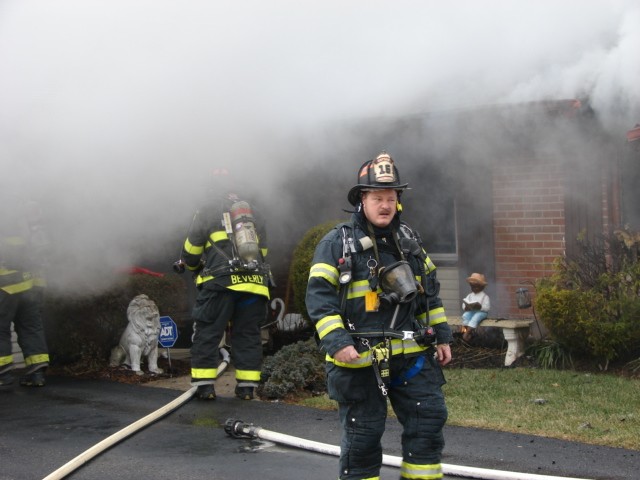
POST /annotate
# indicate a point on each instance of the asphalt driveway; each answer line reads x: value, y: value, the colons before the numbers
x: 45, y: 428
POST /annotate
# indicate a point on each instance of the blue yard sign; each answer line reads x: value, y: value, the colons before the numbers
x: 168, y: 332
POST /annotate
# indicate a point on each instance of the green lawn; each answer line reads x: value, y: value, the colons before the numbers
x: 595, y: 408
x: 592, y: 408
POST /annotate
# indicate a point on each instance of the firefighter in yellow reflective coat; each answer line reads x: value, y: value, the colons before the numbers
x: 225, y: 249
x: 373, y: 297
x: 20, y: 302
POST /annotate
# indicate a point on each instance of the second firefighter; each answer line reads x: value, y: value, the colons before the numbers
x: 225, y: 249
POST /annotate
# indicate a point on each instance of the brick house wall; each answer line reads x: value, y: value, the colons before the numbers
x: 528, y: 227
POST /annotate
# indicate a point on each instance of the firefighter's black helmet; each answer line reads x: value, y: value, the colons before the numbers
x: 377, y: 174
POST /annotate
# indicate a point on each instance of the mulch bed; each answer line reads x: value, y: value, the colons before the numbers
x: 476, y: 355
x: 473, y: 355
x: 123, y: 374
x: 464, y: 356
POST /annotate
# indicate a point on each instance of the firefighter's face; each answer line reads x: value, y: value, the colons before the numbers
x: 380, y: 206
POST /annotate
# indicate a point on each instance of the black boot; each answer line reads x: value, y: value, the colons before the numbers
x: 244, y: 393
x: 33, y: 379
x: 206, y: 392
x: 6, y: 380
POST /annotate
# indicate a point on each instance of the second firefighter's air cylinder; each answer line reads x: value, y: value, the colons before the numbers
x: 244, y: 232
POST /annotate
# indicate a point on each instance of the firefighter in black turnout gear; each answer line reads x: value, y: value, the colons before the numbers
x: 373, y: 297
x: 225, y: 249
x: 21, y: 237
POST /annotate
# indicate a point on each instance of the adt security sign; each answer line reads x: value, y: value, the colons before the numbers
x: 168, y: 332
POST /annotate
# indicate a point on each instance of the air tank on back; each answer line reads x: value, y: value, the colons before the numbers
x: 244, y: 231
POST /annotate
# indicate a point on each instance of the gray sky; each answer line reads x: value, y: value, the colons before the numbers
x: 112, y: 113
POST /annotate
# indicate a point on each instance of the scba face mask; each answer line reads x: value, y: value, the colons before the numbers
x: 398, y: 283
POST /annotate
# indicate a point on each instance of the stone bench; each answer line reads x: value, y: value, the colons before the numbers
x: 515, y: 333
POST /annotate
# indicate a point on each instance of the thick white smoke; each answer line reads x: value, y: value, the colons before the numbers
x: 113, y: 113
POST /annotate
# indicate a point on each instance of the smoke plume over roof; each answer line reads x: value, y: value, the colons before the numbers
x: 113, y: 113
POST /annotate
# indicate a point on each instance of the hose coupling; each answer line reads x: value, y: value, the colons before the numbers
x: 239, y: 429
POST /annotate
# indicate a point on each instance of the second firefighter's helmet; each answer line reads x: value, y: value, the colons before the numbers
x: 377, y: 174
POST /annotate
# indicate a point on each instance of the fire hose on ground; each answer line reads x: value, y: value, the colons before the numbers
x: 240, y: 429
x: 129, y: 430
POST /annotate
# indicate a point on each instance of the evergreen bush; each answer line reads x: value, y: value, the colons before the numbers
x: 301, y: 264
x: 592, y: 306
x: 295, y: 369
x: 298, y: 367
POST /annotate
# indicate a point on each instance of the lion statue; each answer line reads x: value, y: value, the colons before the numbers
x: 140, y: 338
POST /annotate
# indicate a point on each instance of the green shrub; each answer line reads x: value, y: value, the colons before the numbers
x: 590, y: 306
x: 295, y: 369
x: 301, y: 263
x: 84, y: 329
x: 550, y: 354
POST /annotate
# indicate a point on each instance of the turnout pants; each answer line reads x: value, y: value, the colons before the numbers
x: 417, y: 402
x: 213, y: 311
x: 23, y: 309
